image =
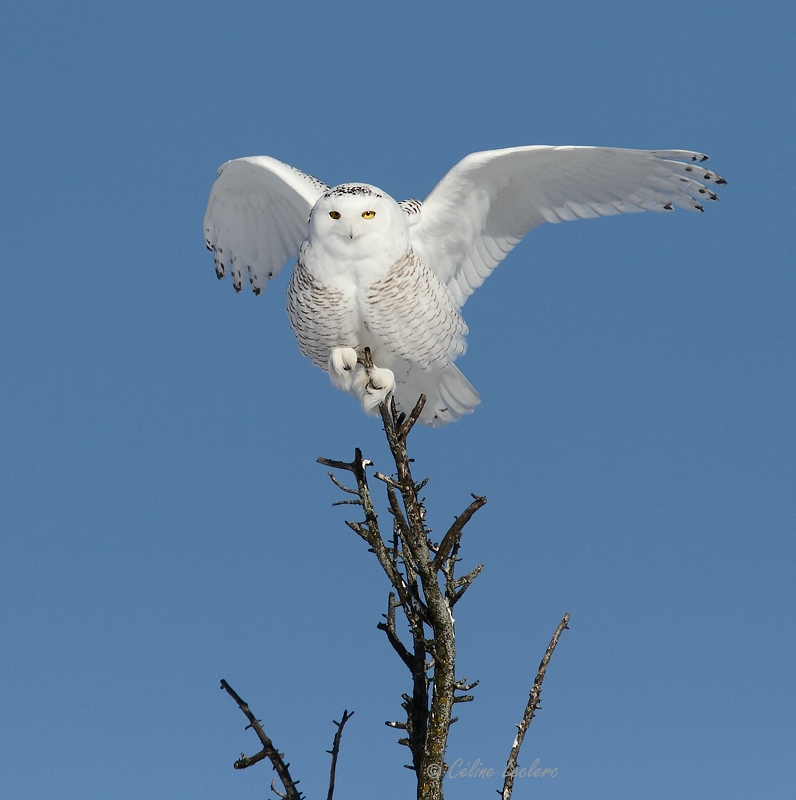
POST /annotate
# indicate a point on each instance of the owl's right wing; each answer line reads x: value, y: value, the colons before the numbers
x: 256, y: 217
x: 482, y: 208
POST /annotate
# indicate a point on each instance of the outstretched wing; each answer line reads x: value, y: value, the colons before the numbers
x: 482, y: 208
x: 256, y: 217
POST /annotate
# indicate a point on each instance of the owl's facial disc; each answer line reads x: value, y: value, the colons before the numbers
x: 359, y: 221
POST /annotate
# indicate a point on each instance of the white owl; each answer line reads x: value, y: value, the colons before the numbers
x: 392, y: 277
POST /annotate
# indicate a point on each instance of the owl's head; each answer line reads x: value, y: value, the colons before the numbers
x: 355, y: 220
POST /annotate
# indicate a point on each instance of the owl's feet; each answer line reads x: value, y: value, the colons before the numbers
x: 370, y: 384
x: 374, y: 386
x: 343, y: 365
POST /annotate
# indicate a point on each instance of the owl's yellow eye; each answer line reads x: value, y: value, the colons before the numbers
x: 368, y: 214
x: 334, y: 214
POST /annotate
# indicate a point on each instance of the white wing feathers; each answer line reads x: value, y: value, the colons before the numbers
x: 256, y: 217
x: 482, y: 208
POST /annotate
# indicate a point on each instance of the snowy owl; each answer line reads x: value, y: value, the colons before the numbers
x: 392, y: 277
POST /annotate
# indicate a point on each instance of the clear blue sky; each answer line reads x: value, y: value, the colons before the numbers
x: 164, y: 524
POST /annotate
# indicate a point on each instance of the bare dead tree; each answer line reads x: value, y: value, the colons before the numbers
x: 425, y: 587
x: 423, y: 575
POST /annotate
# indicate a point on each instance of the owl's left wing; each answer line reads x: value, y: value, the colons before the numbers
x: 482, y: 208
x: 256, y: 217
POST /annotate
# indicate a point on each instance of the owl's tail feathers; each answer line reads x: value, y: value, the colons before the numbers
x: 449, y: 395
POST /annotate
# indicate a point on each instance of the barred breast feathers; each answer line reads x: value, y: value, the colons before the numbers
x: 415, y: 315
x: 319, y: 315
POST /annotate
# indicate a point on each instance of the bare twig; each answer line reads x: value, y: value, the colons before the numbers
x: 454, y: 534
x: 268, y: 751
x: 406, y: 426
x: 340, y: 485
x: 369, y: 530
x: 276, y: 791
x: 530, y: 710
x: 351, y: 467
x: 387, y: 479
x: 456, y: 588
x: 392, y: 635
x: 335, y: 751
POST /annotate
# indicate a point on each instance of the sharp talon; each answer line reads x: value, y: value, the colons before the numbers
x: 367, y: 359
x: 372, y: 384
